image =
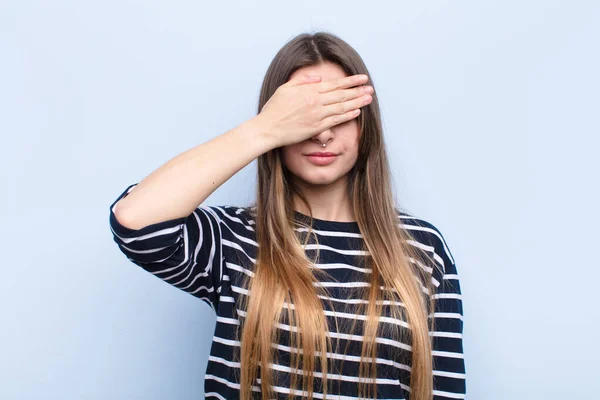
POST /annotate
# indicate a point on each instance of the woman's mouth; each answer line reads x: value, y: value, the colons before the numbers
x: 321, y: 158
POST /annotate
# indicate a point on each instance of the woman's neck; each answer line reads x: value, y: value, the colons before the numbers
x: 328, y: 202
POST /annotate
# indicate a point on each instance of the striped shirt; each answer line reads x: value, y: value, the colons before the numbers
x: 208, y: 253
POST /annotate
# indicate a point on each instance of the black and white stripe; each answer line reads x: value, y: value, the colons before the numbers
x: 208, y: 253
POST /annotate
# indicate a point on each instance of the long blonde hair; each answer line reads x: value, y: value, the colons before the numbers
x: 283, y: 284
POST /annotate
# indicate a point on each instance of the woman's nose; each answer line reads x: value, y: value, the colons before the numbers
x: 324, y: 137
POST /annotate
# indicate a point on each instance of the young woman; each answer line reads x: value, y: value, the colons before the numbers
x: 323, y: 288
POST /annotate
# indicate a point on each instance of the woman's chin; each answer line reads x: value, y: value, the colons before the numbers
x: 318, y: 179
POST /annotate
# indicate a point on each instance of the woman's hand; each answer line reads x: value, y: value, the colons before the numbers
x: 304, y: 106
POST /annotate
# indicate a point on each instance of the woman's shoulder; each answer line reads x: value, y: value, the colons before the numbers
x: 427, y: 234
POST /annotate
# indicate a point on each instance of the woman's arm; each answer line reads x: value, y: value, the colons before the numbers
x: 449, y: 371
x: 187, y: 253
x: 449, y: 362
x: 299, y: 109
x: 179, y: 186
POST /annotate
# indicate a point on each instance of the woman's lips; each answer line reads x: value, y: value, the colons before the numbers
x: 321, y: 160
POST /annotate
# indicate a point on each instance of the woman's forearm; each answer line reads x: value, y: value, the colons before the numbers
x: 180, y: 185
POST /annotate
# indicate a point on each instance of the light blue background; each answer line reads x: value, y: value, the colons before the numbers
x: 491, y: 114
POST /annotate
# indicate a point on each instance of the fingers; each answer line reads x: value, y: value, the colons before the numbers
x: 343, y: 83
x: 344, y: 107
x: 343, y: 99
x: 342, y: 95
x: 339, y: 119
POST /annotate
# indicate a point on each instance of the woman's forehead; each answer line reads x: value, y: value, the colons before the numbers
x: 328, y: 71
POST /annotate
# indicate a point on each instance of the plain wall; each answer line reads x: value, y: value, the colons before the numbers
x: 490, y: 111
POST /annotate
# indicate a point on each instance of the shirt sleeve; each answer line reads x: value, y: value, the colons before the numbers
x: 449, y: 375
x: 184, y: 252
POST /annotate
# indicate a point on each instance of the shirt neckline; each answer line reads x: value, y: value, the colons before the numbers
x: 327, y: 224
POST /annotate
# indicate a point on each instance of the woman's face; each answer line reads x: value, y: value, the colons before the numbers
x: 342, y: 140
